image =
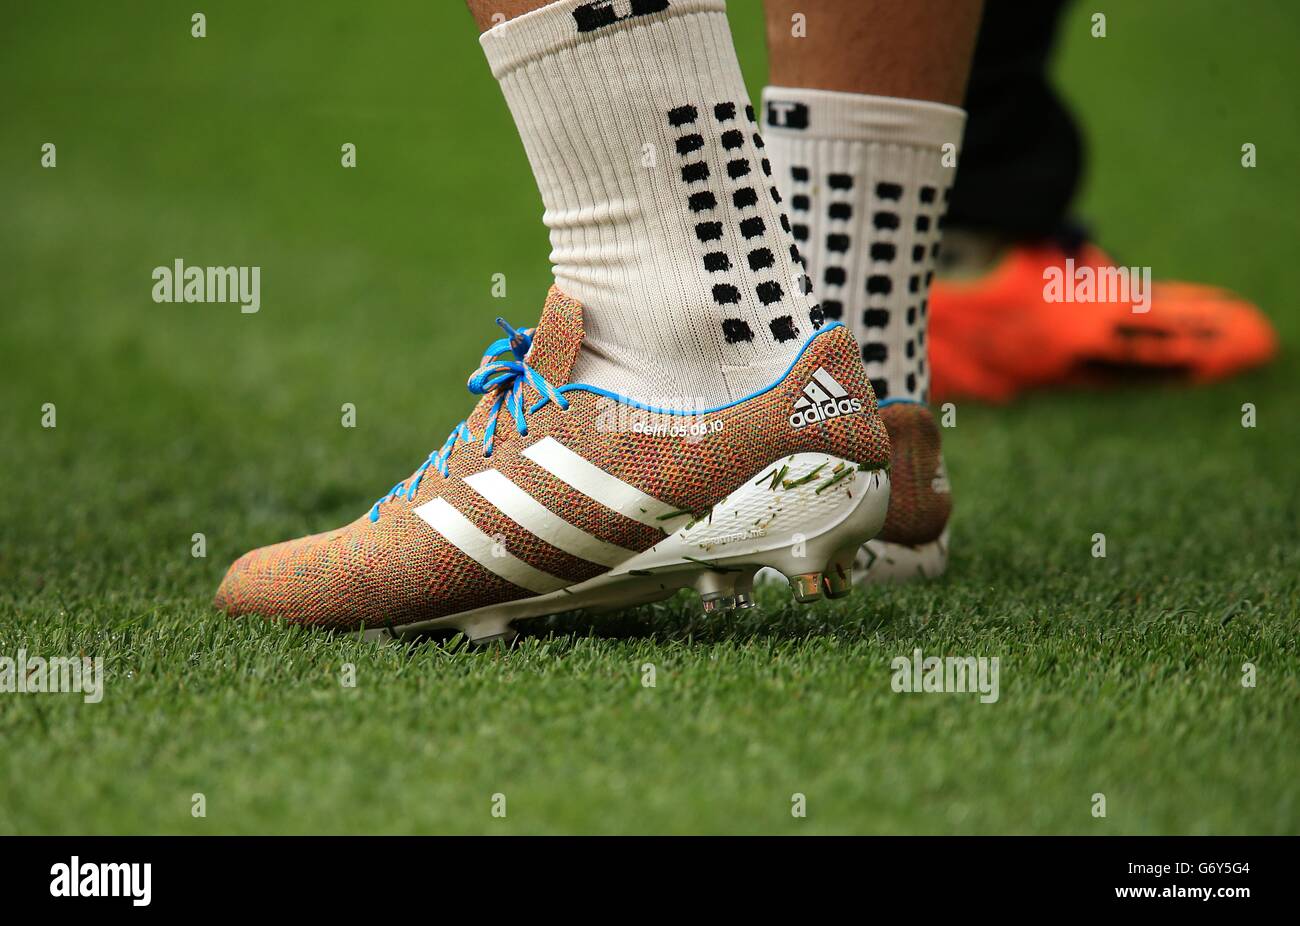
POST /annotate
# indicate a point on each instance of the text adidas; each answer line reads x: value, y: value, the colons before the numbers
x: 831, y: 409
x: 823, y: 398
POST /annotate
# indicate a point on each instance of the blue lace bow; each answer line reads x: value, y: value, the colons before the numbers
x: 504, y: 378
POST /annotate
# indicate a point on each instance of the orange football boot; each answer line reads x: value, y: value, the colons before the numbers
x: 995, y: 336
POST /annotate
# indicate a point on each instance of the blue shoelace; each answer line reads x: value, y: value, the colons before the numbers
x: 504, y: 377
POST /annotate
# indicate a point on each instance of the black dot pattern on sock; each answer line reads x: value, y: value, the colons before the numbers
x: 688, y: 143
x: 682, y: 115
x: 783, y: 328
x: 718, y: 144
x: 717, y: 262
x: 865, y: 280
x: 884, y: 204
x: 695, y: 173
x: 769, y: 292
x: 817, y: 316
x: 836, y: 244
x: 910, y: 218
x: 708, y: 231
x: 725, y: 294
x: 736, y: 330
x: 701, y: 201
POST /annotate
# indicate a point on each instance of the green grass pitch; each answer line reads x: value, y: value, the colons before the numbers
x: 1120, y: 676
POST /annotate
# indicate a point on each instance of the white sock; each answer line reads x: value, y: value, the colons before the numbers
x: 867, y: 188
x: 664, y: 217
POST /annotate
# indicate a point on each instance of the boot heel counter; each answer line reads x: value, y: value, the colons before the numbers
x: 920, y: 501
x: 860, y: 435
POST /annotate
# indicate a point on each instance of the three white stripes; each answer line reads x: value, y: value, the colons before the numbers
x: 594, y: 482
x: 463, y: 534
x: 532, y: 515
x: 523, y: 509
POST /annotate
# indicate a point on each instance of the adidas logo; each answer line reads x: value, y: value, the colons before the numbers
x: 823, y: 398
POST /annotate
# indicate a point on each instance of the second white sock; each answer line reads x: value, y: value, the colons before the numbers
x: 868, y: 180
